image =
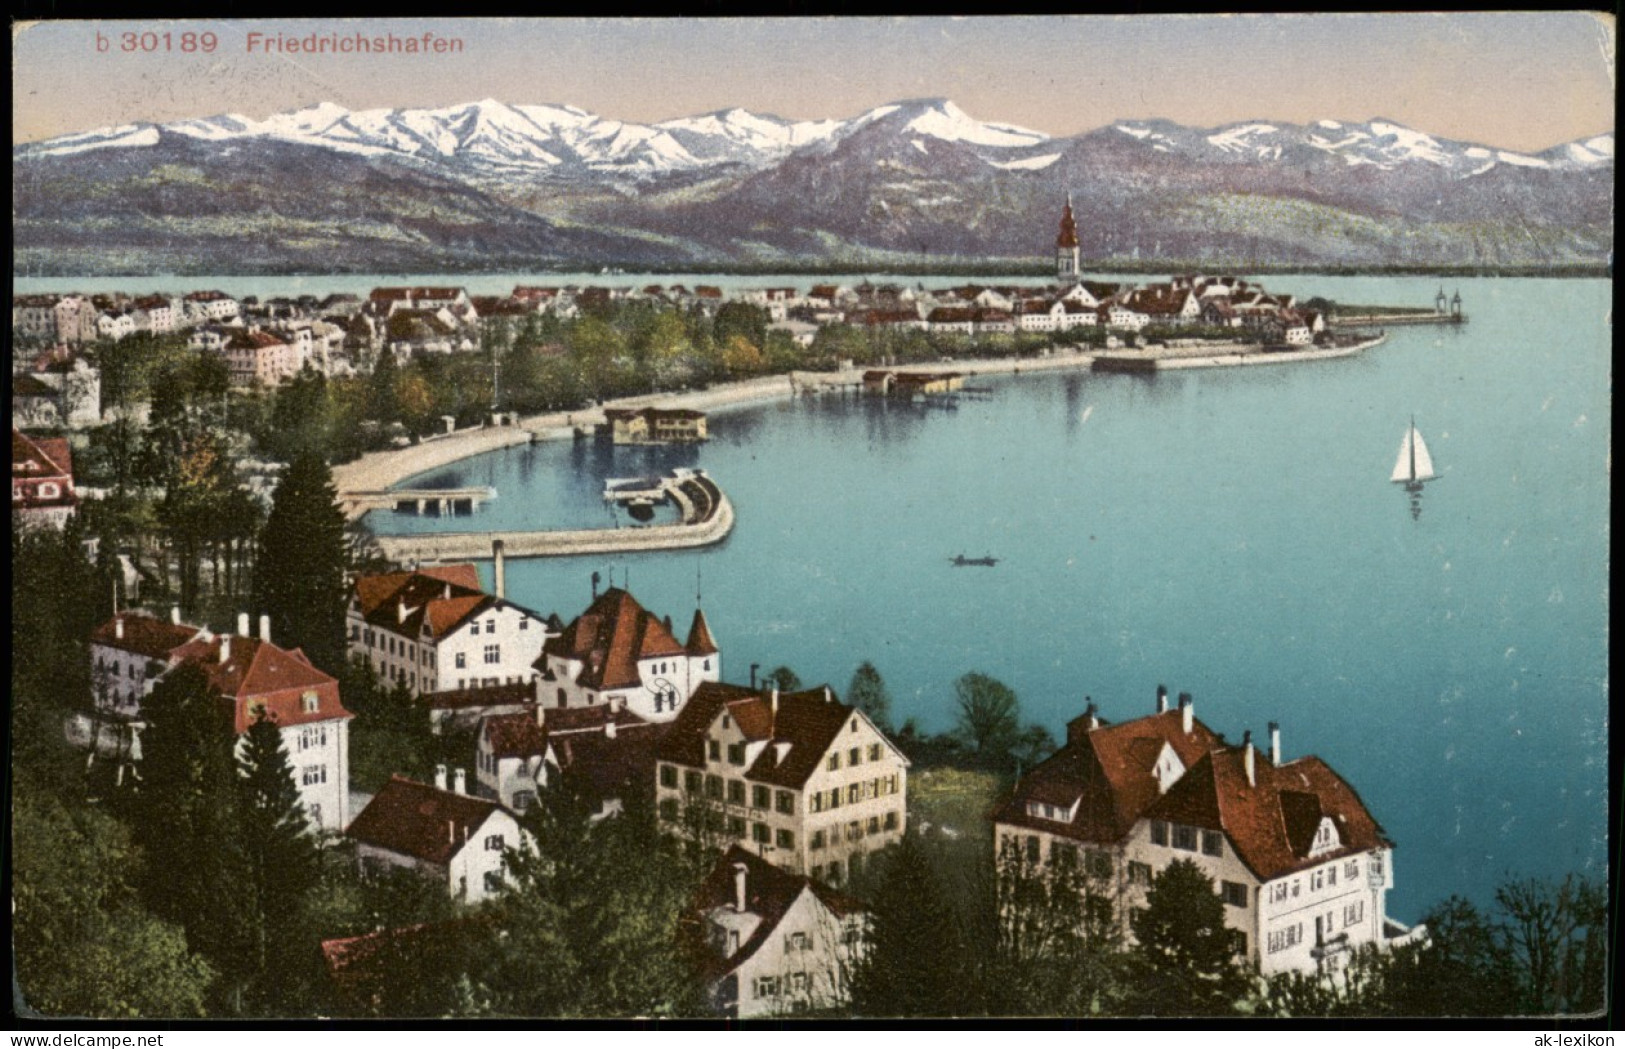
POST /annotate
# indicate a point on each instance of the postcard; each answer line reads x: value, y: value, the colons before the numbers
x: 809, y: 519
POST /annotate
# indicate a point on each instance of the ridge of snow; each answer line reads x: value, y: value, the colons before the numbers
x: 1522, y: 160
x: 1027, y: 163
x: 131, y: 135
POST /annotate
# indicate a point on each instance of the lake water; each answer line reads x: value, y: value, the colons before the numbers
x: 1231, y: 533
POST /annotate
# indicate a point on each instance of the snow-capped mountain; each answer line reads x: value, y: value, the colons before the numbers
x: 476, y: 183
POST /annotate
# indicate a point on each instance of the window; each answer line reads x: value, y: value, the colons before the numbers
x: 760, y: 833
x: 815, y: 801
x: 852, y: 794
x: 1351, y: 869
x: 817, y: 842
x: 309, y: 702
x: 316, y: 814
x: 462, y: 661
x: 736, y: 753
x: 874, y: 752
x: 726, y: 721
x: 1353, y: 914
x: 1212, y: 843
x: 835, y: 798
x: 766, y: 987
x: 874, y: 824
x: 1032, y: 848
x: 736, y: 827
x: 1139, y: 873
x: 1159, y: 832
x: 493, y: 653
x: 668, y: 776
x: 524, y: 799
x: 1235, y: 894
x: 1100, y: 863
x: 817, y: 871
x: 490, y: 626
x: 493, y: 843
x: 1184, y: 838
x: 691, y: 781
x: 784, y: 839
x: 1062, y: 853
x: 314, y: 774
x: 713, y: 787
x: 891, y: 821
x: 1281, y: 939
x: 1331, y: 875
x: 668, y: 809
x: 796, y: 941
x: 760, y: 797
x: 785, y: 802
x: 854, y: 830
x: 854, y: 756
x: 713, y: 750
x: 1317, y: 881
x: 493, y: 881
x: 1279, y: 891
x: 834, y: 761
x: 736, y: 792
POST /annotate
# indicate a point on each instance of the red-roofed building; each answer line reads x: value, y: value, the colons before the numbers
x: 42, y: 492
x: 607, y: 751
x: 617, y: 649
x: 256, y: 357
x: 1300, y: 863
x: 448, y: 836
x: 804, y: 780
x: 128, y: 653
x: 256, y: 678
x: 776, y: 942
x: 435, y: 630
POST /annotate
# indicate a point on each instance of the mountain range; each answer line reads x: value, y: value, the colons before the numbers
x: 493, y: 185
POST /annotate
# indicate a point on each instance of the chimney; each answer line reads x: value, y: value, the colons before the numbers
x: 451, y: 832
x: 265, y: 629
x: 175, y: 614
x: 773, y: 705
x: 829, y: 697
x: 668, y: 623
x: 440, y: 777
x: 1162, y: 699
x: 459, y: 781
x: 1090, y: 713
x: 500, y: 567
x: 537, y: 682
x: 446, y: 593
x: 1247, y: 760
x: 541, y: 716
x: 225, y: 647
x: 1275, y: 743
x: 1187, y: 712
x: 739, y: 887
x: 242, y: 624
x: 609, y: 728
x: 118, y: 627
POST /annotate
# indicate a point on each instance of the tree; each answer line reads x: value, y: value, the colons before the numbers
x: 1185, y: 955
x: 914, y: 963
x: 587, y: 933
x: 868, y: 693
x: 1552, y: 934
x: 84, y: 945
x: 299, y: 576
x: 988, y: 715
x: 740, y: 319
x: 740, y: 356
x: 279, y: 860
x: 782, y: 678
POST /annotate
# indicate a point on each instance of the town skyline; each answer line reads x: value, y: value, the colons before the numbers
x: 1522, y: 81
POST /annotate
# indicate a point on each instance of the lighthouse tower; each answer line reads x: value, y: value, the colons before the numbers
x: 1066, y: 247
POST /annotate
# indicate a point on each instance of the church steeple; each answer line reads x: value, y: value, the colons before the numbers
x: 1066, y: 246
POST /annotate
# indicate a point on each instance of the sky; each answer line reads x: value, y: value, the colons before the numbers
x: 1522, y: 81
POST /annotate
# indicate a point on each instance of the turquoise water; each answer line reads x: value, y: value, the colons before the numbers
x: 1231, y: 533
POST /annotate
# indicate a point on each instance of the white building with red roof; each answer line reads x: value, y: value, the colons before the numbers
x: 446, y: 835
x: 42, y: 492
x: 607, y: 750
x: 618, y: 650
x: 200, y: 307
x: 803, y: 780
x: 434, y: 629
x: 1302, y: 866
x: 128, y: 654
x: 776, y: 943
x: 256, y: 678
x: 256, y: 357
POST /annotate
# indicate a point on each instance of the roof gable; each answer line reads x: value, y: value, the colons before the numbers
x: 417, y: 820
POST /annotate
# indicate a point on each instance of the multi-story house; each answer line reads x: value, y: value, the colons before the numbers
x: 447, y: 836
x: 434, y: 629
x: 803, y: 780
x: 75, y: 319
x: 155, y: 314
x: 201, y: 307
x: 618, y: 650
x: 1301, y: 865
x: 775, y: 943
x: 606, y: 751
x: 128, y: 654
x: 42, y: 492
x: 256, y: 357
x: 34, y: 317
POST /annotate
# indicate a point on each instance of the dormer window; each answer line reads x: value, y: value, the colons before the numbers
x: 1326, y: 838
x: 309, y: 702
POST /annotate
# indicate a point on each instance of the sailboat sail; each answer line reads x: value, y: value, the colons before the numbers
x: 1414, y: 463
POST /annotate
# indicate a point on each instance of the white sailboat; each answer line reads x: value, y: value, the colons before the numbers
x: 1414, y: 465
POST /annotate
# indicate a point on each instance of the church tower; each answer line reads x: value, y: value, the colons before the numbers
x: 1066, y: 247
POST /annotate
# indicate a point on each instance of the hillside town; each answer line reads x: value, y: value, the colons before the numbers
x: 450, y: 770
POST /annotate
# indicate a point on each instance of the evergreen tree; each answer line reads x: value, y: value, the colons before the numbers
x: 868, y: 693
x: 915, y: 960
x: 299, y: 573
x: 782, y: 678
x: 1186, y: 957
x: 186, y: 820
x: 280, y: 862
